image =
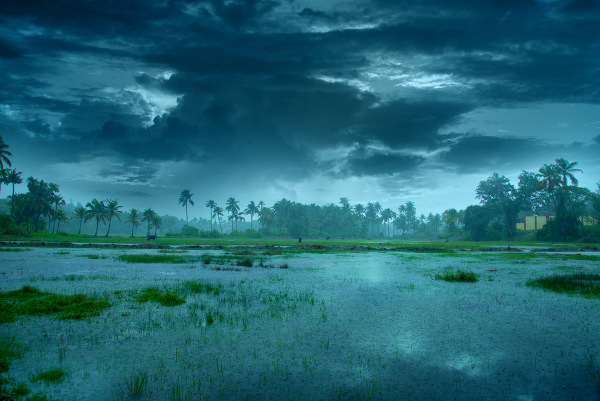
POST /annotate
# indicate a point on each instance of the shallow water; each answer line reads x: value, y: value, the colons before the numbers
x: 364, y: 325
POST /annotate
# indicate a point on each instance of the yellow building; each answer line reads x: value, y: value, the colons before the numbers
x: 532, y: 223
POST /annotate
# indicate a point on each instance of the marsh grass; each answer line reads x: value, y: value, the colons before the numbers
x: 14, y: 249
x: 585, y: 284
x: 31, y: 301
x: 246, y: 262
x: 458, y: 275
x: 92, y: 256
x: 153, y: 258
x: 172, y: 251
x: 49, y: 376
x: 166, y: 298
x: 62, y: 253
x: 203, y: 287
x: 136, y: 385
x: 9, y: 349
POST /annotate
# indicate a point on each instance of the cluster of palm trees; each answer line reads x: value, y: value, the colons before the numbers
x: 8, y: 176
x: 102, y: 212
x: 216, y: 212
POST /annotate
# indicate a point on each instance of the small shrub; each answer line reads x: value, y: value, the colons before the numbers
x: 459, y: 275
x: 247, y: 262
x: 189, y: 231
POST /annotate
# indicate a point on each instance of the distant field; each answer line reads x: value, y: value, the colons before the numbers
x: 241, y: 241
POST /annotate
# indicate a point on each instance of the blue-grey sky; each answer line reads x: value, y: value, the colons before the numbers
x: 307, y: 100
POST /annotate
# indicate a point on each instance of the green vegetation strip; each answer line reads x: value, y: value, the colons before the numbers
x: 585, y: 284
x: 160, y: 258
x: 31, y: 301
x: 459, y: 275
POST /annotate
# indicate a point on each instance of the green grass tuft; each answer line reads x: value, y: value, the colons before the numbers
x: 31, y: 301
x: 92, y: 256
x: 585, y: 284
x: 155, y: 295
x: 8, y: 350
x: 52, y: 376
x: 459, y: 275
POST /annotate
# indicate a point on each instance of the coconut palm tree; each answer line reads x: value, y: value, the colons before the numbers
x: 4, y: 154
x: 251, y: 209
x: 61, y: 217
x: 13, y: 177
x: 112, y: 210
x: 79, y: 213
x: 133, y: 217
x: 56, y: 200
x: 233, y: 208
x: 386, y: 215
x: 218, y: 213
x: 211, y: 204
x: 96, y: 210
x: 147, y: 216
x: 3, y: 177
x: 260, y: 206
x: 156, y: 222
x: 184, y: 198
x: 565, y: 170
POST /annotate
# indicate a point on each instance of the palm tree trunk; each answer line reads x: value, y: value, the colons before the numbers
x: 12, y: 200
x: 109, y: 221
x: 132, y: 227
x: 186, y: 215
x: 80, y: 221
x: 211, y: 217
x: 251, y: 221
x: 97, y: 224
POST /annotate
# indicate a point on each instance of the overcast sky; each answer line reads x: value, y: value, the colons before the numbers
x: 308, y: 100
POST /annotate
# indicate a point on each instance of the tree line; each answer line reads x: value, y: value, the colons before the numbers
x: 552, y: 190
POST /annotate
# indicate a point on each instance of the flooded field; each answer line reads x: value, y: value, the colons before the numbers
x: 303, y: 326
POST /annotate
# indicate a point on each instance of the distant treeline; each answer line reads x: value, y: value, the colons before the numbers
x: 552, y: 190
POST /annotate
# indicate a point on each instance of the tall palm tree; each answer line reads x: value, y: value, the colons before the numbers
x: 549, y: 177
x: 211, y: 204
x: 56, y: 200
x: 251, y: 209
x: 61, y: 217
x: 260, y: 206
x: 233, y: 208
x: 96, y: 210
x: 3, y: 177
x: 218, y: 213
x: 4, y: 154
x: 184, y: 198
x: 147, y: 216
x: 112, y: 210
x: 79, y: 213
x: 566, y: 170
x: 156, y: 221
x: 386, y: 215
x: 133, y: 217
x: 13, y: 177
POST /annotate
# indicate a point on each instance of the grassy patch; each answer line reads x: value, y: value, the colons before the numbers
x: 8, y: 350
x: 62, y: 253
x: 459, y: 275
x: 586, y: 284
x: 165, y: 298
x: 152, y: 258
x: 14, y: 249
x: 172, y: 251
x: 31, y: 301
x: 202, y: 287
x: 49, y: 376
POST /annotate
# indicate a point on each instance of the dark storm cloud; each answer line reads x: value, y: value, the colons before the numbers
x: 480, y: 153
x: 363, y: 161
x: 270, y: 92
